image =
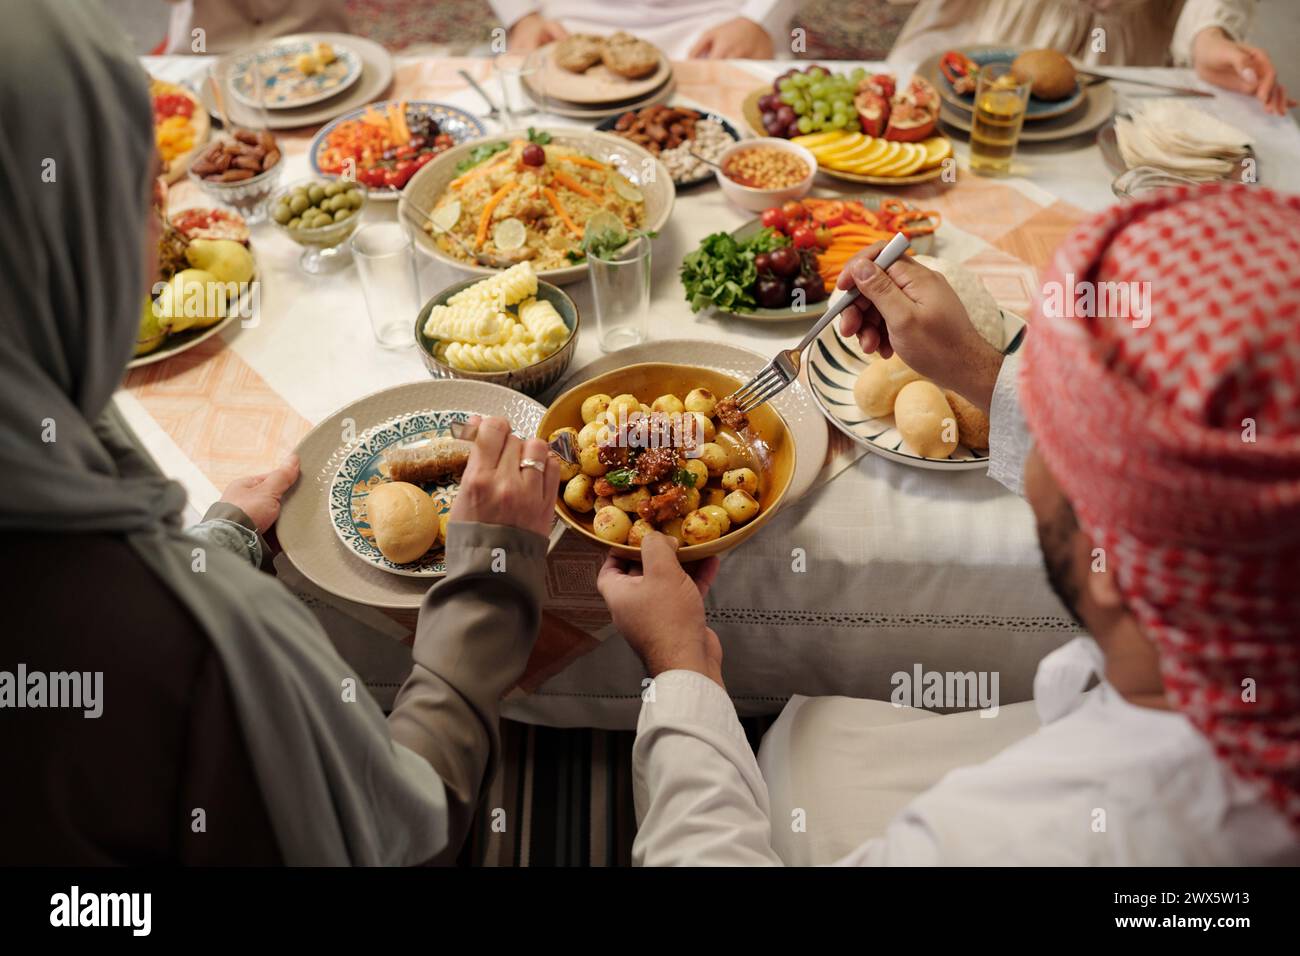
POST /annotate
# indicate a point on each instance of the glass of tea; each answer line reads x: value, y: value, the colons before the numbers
x: 1000, y: 101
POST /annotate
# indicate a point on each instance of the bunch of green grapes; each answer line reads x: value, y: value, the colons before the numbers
x: 819, y: 99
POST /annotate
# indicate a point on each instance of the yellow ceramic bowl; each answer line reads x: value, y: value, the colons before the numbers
x: 771, y: 454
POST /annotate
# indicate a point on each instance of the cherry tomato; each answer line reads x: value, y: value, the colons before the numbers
x: 804, y: 237
x: 795, y: 211
x: 774, y: 218
x: 424, y: 159
x: 824, y: 238
x: 373, y: 177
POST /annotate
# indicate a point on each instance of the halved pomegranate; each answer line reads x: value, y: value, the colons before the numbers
x: 914, y: 113
x: 872, y: 102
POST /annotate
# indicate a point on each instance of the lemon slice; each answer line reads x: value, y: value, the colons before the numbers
x: 937, y: 149
x: 869, y: 152
x: 444, y: 218
x: 603, y: 222
x: 509, y: 234
x: 627, y: 189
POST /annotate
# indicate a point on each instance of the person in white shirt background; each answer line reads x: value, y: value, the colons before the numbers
x: 715, y: 29
x: 1161, y: 459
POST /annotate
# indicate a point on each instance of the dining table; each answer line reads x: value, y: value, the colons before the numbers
x: 877, y: 568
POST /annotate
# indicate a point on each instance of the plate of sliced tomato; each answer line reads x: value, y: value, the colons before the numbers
x: 384, y: 144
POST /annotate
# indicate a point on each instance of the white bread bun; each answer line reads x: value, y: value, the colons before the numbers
x: 404, y: 520
x: 879, y: 384
x: 925, y: 420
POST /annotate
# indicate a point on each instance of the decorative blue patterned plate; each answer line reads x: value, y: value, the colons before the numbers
x: 1036, y: 109
x: 363, y: 468
x: 456, y: 123
x: 834, y: 364
x: 287, y: 87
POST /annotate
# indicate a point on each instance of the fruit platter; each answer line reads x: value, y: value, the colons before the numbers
x: 861, y: 126
x: 783, y: 265
x: 205, y: 277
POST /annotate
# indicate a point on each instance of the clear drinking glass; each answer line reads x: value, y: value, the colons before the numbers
x: 1000, y: 101
x: 389, y: 280
x: 520, y: 79
x: 620, y: 287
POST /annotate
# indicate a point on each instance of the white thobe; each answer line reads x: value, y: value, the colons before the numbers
x: 671, y: 25
x: 1077, y: 777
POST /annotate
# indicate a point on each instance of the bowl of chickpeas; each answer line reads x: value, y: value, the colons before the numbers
x: 660, y: 449
x: 757, y: 174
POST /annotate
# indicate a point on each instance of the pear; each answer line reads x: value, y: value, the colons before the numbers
x: 226, y: 259
x: 193, y: 299
x: 153, y: 330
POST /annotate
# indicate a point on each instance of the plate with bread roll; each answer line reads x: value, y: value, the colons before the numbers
x: 391, y: 497
x: 367, y: 520
x: 897, y: 413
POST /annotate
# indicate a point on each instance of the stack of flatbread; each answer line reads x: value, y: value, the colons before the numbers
x: 1177, y: 137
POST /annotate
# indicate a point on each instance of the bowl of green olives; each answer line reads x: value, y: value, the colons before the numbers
x: 319, y: 214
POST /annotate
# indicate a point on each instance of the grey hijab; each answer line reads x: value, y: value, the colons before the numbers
x: 74, y: 183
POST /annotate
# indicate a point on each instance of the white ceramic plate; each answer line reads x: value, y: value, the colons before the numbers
x: 834, y: 364
x: 304, y: 529
x: 284, y: 85
x: 376, y: 77
x: 795, y: 405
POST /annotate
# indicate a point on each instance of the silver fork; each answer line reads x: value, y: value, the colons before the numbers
x: 777, y: 374
x: 564, y: 444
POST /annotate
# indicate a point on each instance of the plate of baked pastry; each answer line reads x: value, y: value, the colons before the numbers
x: 586, y: 70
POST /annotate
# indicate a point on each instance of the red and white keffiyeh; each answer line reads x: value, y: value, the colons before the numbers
x: 1178, y: 444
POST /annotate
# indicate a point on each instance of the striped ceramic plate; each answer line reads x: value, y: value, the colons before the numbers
x: 834, y: 364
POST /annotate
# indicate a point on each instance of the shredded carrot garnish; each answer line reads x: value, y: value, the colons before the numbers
x: 561, y: 211
x: 486, y: 216
x: 571, y: 184
x: 584, y: 161
x: 476, y: 172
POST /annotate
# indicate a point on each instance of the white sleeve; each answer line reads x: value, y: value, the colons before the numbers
x: 773, y: 16
x: 510, y: 12
x: 1234, y: 16
x: 1009, y: 438
x: 700, y: 798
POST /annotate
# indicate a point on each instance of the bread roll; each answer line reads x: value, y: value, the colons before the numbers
x: 404, y: 520
x: 1049, y: 73
x: 925, y: 419
x: 972, y: 424
x: 879, y: 384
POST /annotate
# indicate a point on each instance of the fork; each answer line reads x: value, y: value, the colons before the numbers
x: 777, y: 374
x: 562, y: 445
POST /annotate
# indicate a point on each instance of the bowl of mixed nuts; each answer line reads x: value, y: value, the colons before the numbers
x: 674, y: 133
x: 240, y: 171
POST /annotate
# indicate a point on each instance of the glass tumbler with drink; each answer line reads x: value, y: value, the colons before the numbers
x: 1000, y: 102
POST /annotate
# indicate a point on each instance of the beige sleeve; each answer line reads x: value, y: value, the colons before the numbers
x: 1234, y: 16
x: 475, y: 632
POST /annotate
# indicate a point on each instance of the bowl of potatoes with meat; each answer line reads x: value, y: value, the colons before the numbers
x: 660, y: 448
